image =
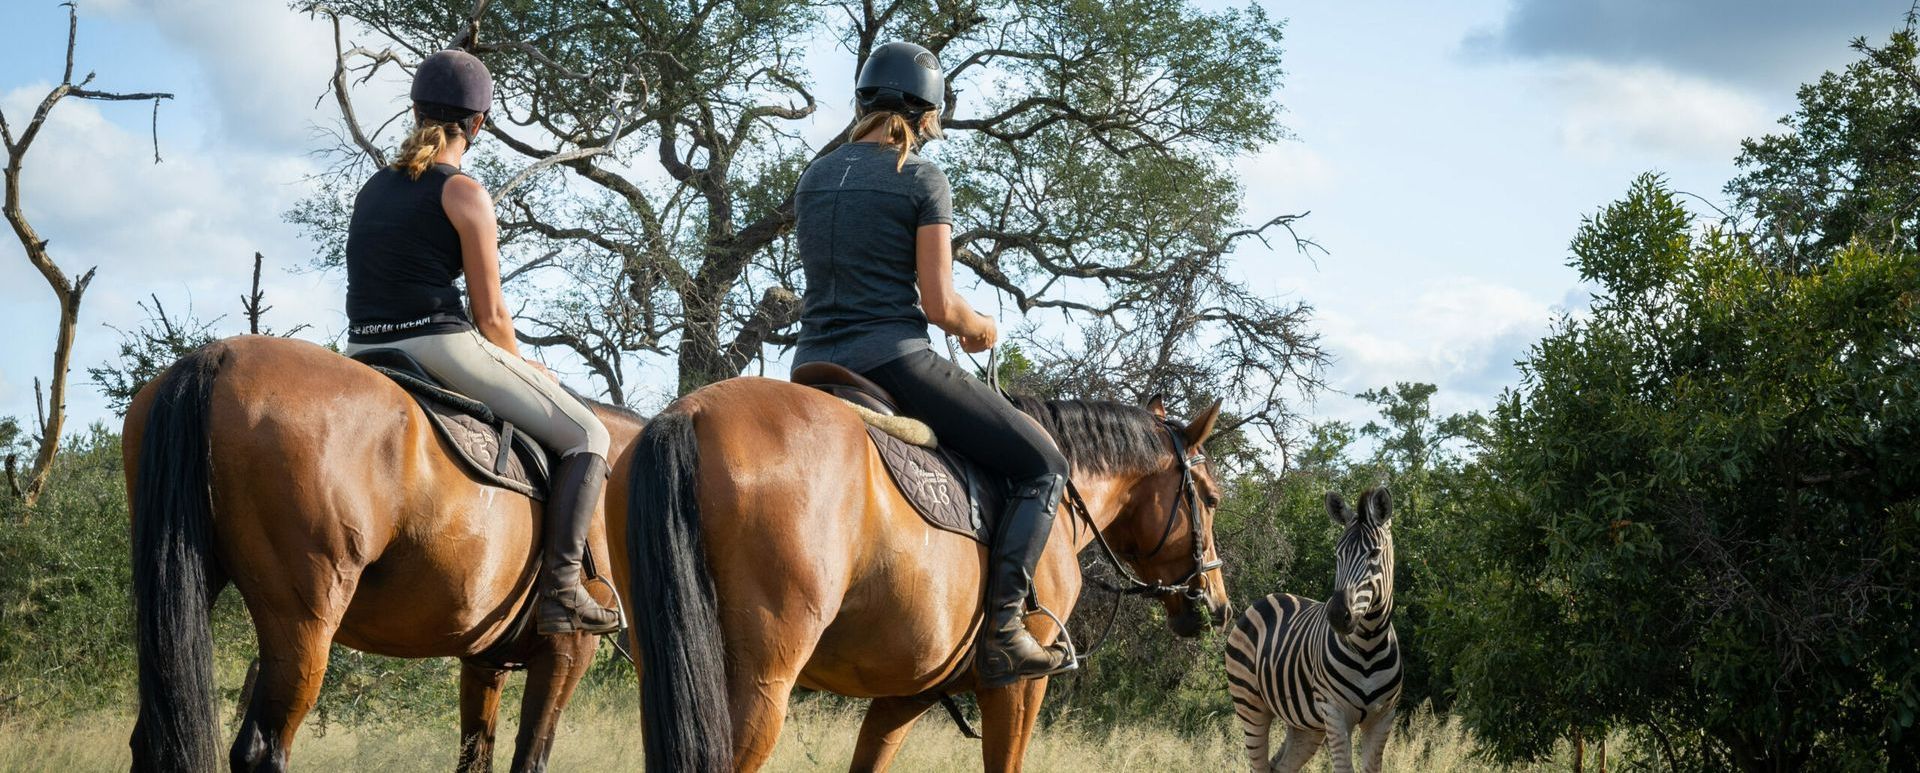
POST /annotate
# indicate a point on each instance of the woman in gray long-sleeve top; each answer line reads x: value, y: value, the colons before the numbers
x: 875, y: 228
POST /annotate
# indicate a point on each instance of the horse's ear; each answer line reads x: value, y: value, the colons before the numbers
x: 1202, y: 427
x: 1377, y: 506
x: 1157, y: 405
x: 1337, y: 509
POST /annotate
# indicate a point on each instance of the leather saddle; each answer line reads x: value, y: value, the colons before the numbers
x: 487, y: 445
x: 948, y: 490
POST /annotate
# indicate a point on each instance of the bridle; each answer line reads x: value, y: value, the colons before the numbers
x: 1189, y: 493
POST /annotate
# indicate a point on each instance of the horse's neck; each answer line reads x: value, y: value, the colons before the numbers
x: 1104, y: 495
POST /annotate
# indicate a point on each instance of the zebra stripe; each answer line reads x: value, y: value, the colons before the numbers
x: 1287, y: 660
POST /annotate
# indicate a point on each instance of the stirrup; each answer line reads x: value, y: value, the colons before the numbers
x: 1072, y: 661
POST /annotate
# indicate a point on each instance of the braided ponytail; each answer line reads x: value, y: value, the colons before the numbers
x: 428, y: 139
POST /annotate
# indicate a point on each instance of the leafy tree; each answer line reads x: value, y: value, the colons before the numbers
x: 649, y: 150
x: 161, y: 339
x: 1848, y: 165
x: 1412, y: 439
x: 1701, y: 509
x: 148, y: 350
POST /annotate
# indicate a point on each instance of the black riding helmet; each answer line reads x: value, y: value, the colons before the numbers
x: 901, y: 77
x: 453, y: 85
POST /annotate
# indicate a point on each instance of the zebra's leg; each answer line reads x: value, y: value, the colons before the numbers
x: 1340, y: 744
x: 1256, y: 725
x: 1373, y: 740
x: 1299, y: 747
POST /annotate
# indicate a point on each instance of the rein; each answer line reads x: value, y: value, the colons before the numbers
x: 1189, y: 494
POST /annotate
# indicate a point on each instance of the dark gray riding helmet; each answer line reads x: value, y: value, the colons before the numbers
x: 901, y: 77
x: 453, y: 85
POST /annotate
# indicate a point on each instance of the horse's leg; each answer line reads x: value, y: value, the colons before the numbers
x: 1036, y: 691
x: 479, y: 711
x: 552, y: 673
x: 761, y: 672
x: 885, y: 728
x: 293, y: 660
x: 1003, y: 722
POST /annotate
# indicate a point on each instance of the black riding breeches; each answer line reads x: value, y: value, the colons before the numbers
x: 969, y: 417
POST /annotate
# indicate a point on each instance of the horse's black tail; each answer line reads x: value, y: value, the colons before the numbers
x: 173, y: 573
x: 682, y: 665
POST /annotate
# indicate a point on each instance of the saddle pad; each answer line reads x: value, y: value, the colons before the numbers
x: 475, y: 442
x: 949, y: 491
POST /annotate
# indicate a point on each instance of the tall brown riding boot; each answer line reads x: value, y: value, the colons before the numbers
x: 564, y: 604
x: 1007, y: 652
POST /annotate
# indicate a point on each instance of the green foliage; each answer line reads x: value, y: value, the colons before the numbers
x: 1089, y: 145
x: 65, y: 625
x: 1848, y: 165
x: 1699, y: 512
x: 1275, y: 537
x: 147, y: 351
x: 66, y: 638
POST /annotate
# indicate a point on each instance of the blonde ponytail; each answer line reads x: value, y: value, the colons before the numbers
x: 900, y: 133
x: 425, y: 144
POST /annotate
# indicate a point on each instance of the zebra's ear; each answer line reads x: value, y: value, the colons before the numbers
x: 1337, y: 509
x: 1377, y: 506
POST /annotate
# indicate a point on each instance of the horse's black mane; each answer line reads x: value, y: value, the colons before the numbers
x: 1098, y: 435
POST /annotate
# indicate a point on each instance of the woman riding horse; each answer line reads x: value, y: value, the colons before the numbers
x: 320, y: 490
x: 417, y: 226
x: 875, y: 229
x: 768, y: 546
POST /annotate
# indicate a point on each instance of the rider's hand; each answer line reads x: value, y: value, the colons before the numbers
x: 542, y: 368
x: 984, y: 336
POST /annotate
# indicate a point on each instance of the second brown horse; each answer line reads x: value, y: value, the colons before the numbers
x: 316, y: 487
x: 769, y: 549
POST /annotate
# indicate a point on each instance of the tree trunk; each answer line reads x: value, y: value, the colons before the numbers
x: 56, y: 418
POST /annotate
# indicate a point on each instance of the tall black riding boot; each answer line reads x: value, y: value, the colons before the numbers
x: 564, y: 604
x: 1007, y: 652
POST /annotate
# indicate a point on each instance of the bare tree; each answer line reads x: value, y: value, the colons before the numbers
x: 67, y: 291
x: 650, y: 149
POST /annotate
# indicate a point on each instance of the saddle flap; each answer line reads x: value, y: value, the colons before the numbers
x: 488, y: 446
x: 949, y: 491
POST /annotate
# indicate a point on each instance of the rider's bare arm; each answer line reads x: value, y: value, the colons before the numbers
x: 471, y: 210
x: 933, y: 261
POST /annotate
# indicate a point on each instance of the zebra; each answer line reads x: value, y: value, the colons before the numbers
x: 1326, y: 670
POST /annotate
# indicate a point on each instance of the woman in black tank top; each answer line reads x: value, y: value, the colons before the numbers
x: 417, y: 227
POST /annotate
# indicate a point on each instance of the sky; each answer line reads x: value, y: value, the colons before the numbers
x: 1445, y: 151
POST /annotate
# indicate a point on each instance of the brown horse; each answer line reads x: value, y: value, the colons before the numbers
x: 774, y: 551
x: 316, y: 487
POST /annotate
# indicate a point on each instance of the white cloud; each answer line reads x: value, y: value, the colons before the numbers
x: 1462, y: 334
x: 1287, y: 170
x: 265, y: 64
x: 1613, y: 109
x: 185, y: 230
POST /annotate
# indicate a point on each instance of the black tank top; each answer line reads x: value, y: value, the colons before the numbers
x: 403, y: 256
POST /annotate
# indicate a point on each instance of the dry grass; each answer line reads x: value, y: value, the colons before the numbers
x: 818, y: 737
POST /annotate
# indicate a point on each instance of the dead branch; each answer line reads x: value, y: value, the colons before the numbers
x: 252, y: 302
x: 67, y: 292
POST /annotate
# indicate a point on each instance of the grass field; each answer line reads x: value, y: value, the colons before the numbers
x: 818, y: 737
